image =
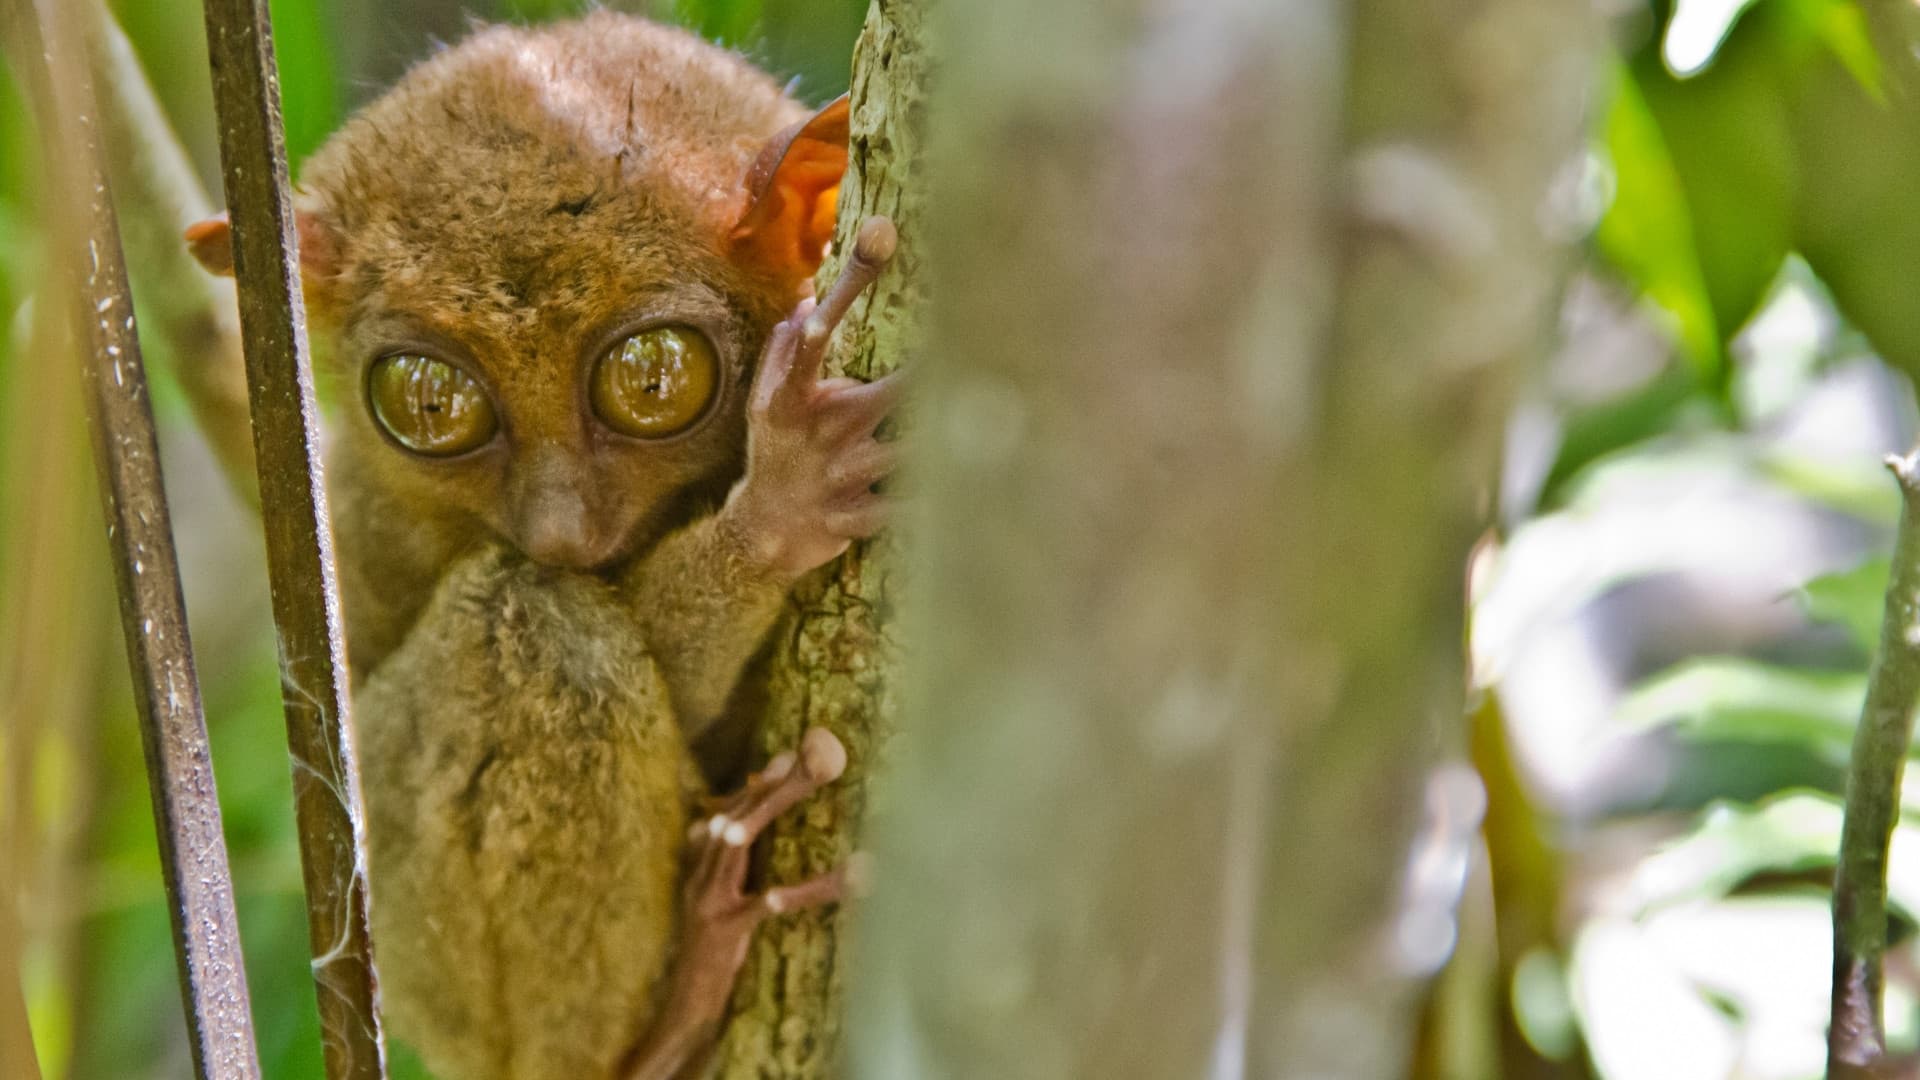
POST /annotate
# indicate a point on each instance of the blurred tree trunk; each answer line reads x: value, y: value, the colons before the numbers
x: 833, y: 660
x: 1230, y: 297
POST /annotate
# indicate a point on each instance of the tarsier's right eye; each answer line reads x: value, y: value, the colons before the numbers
x: 429, y: 406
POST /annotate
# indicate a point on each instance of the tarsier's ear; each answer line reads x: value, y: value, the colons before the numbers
x: 211, y: 242
x: 792, y: 191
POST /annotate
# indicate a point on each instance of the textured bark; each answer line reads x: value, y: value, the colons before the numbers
x: 1230, y: 295
x: 834, y: 657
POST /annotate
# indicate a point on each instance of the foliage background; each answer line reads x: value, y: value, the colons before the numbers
x: 1671, y: 624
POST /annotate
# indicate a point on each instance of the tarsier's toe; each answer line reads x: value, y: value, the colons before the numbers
x: 787, y: 780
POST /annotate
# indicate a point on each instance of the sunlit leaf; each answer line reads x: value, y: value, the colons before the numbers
x: 1731, y: 698
x: 1856, y: 486
x: 1789, y: 833
x: 1641, y: 1017
x: 1695, y: 32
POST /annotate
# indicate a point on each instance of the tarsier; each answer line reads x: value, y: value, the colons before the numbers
x: 584, y: 450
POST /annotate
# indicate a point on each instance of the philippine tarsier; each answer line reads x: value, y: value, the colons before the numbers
x: 584, y: 451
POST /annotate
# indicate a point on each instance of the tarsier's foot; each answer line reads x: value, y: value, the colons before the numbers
x: 812, y: 456
x: 719, y: 915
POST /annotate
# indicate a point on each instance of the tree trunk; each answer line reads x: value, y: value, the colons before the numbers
x: 1230, y: 298
x: 833, y: 660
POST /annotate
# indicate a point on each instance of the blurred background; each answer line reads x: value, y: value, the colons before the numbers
x: 1670, y: 627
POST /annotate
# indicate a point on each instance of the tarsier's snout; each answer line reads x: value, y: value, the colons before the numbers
x: 557, y: 522
x: 557, y: 532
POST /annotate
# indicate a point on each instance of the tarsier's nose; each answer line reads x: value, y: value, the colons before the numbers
x: 552, y: 521
x: 554, y: 531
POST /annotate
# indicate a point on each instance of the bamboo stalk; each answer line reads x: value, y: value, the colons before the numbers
x: 299, y: 550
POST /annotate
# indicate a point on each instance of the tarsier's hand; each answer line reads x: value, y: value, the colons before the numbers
x: 812, y: 458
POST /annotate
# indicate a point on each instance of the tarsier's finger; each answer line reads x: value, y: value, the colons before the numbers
x: 863, y: 465
x: 707, y: 848
x: 873, y: 249
x: 776, y: 364
x: 730, y: 873
x: 860, y: 519
x: 821, y: 761
x: 856, y: 408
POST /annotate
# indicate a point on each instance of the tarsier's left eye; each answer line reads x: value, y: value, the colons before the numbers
x: 655, y: 383
x: 429, y: 406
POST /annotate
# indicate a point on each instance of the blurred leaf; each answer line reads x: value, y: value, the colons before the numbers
x: 537, y: 10
x: 1857, y: 224
x: 1787, y: 834
x: 1591, y: 434
x: 731, y: 22
x: 1841, y: 28
x: 1731, y: 147
x: 1853, y: 599
x: 1647, y: 231
x: 1642, y: 1019
x: 1854, y: 486
x: 1730, y: 698
x: 309, y: 91
x: 1793, y: 832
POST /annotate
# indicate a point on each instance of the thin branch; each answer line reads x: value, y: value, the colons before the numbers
x: 152, y: 611
x: 293, y: 505
x: 1856, y: 1036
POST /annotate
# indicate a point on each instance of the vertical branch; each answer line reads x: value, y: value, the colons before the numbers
x: 1856, y: 1035
x: 834, y: 660
x: 299, y: 549
x: 152, y: 611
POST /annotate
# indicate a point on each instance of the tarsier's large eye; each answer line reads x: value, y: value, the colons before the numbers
x: 429, y: 406
x: 655, y: 383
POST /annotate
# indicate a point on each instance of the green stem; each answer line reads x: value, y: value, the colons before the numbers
x: 1856, y: 1037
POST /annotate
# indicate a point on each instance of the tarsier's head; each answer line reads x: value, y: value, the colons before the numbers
x: 541, y: 267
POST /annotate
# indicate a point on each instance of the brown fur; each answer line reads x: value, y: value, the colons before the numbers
x: 518, y: 203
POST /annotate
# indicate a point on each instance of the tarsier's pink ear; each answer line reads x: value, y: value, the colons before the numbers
x: 793, y: 190
x: 211, y: 242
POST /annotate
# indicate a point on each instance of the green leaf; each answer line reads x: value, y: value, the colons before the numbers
x: 1730, y: 142
x: 1789, y: 833
x: 1856, y: 221
x: 731, y: 22
x: 1732, y: 698
x: 1841, y: 29
x: 309, y: 91
x: 1647, y: 231
x: 1856, y: 486
x: 1853, y: 599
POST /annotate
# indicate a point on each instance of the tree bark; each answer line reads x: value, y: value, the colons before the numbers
x: 834, y: 657
x: 1229, y: 300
